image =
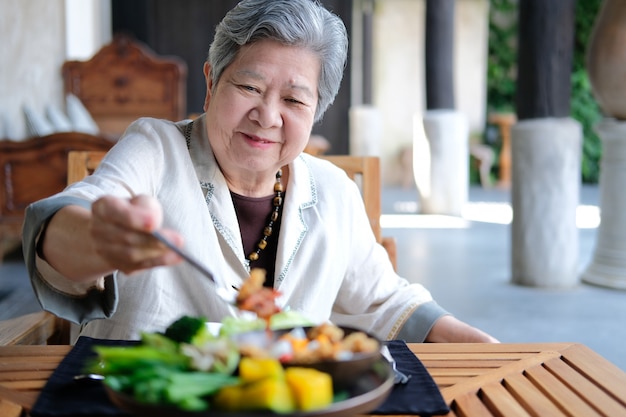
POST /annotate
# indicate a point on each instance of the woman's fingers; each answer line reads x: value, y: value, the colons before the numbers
x: 140, y: 213
x: 151, y: 211
x: 121, y: 231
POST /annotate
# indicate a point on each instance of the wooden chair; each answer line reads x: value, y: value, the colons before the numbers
x: 34, y: 169
x: 81, y: 164
x: 29, y: 171
x: 125, y: 80
x: 364, y: 170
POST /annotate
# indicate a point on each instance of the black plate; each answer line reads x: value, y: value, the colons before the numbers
x: 365, y: 394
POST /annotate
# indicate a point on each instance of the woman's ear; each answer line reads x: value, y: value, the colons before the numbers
x: 209, y: 84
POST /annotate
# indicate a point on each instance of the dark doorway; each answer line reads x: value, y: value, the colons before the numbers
x: 185, y: 29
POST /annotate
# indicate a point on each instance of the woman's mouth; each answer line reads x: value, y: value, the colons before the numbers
x: 258, y: 140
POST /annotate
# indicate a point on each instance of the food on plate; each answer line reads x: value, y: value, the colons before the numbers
x: 266, y: 385
x: 158, y: 371
x: 190, y: 367
x: 255, y: 297
x: 312, y: 389
x: 300, y: 345
x: 286, y: 319
x: 266, y: 394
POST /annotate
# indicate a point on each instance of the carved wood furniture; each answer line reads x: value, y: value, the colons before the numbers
x: 125, y: 80
x: 34, y: 169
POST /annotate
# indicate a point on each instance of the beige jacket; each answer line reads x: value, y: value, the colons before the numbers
x: 328, y: 265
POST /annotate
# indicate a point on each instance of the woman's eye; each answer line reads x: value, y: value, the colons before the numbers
x: 249, y: 88
x: 294, y: 101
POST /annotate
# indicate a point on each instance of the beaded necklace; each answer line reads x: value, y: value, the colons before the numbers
x: 269, y: 229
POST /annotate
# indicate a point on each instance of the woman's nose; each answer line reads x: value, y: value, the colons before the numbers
x: 267, y: 114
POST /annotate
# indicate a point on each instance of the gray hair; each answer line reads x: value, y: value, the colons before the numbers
x: 304, y: 23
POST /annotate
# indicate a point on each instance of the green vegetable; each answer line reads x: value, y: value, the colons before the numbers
x: 123, y: 360
x: 284, y: 320
x: 163, y: 385
x: 235, y: 325
x: 288, y: 319
x: 151, y: 390
x: 159, y: 341
x: 182, y: 367
x: 164, y: 368
x: 146, y: 382
x: 186, y: 329
x: 184, y: 385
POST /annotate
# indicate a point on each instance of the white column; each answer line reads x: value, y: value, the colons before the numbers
x: 366, y: 127
x: 608, y: 267
x: 545, y: 194
x: 441, y: 161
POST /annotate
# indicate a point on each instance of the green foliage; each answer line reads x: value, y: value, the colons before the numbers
x: 584, y: 107
x: 502, y: 56
x: 502, y: 74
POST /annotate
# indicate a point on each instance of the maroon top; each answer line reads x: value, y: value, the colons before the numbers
x: 253, y: 214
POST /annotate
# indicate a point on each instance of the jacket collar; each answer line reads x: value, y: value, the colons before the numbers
x: 300, y: 194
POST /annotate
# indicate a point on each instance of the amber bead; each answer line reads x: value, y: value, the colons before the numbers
x: 253, y: 256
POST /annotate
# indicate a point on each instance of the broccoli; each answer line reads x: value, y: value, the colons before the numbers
x: 187, y: 329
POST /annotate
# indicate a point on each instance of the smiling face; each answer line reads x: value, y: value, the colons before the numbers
x: 260, y: 114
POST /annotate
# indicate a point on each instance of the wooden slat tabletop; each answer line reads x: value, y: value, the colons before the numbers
x: 24, y: 370
x: 537, y: 379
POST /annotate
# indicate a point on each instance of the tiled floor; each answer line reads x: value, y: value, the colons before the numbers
x: 466, y: 266
x: 467, y: 269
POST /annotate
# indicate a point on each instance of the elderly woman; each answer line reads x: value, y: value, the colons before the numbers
x: 234, y: 188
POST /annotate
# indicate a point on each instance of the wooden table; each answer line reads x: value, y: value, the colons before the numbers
x: 537, y: 379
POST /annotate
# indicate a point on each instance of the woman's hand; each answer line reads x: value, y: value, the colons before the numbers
x: 121, y: 231
x: 85, y: 245
x: 449, y: 329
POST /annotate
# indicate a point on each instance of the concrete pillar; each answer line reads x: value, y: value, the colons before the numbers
x: 608, y: 266
x: 441, y: 161
x: 545, y: 194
